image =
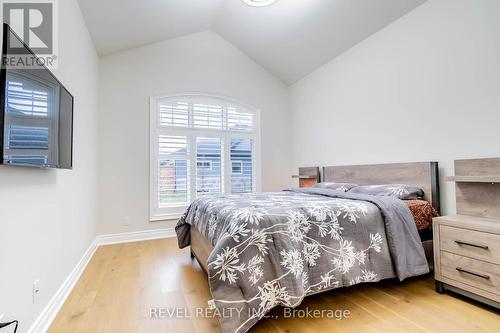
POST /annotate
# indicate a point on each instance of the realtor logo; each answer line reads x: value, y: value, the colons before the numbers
x: 35, y: 23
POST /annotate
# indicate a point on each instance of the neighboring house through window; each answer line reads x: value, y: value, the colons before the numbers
x: 237, y: 167
x: 204, y: 165
x: 200, y: 145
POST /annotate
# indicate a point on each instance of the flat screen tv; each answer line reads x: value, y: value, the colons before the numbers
x: 36, y: 111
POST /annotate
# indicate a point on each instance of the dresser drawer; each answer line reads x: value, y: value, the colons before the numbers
x: 475, y: 244
x: 472, y: 272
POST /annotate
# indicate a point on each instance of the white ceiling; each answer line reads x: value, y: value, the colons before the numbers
x: 290, y: 38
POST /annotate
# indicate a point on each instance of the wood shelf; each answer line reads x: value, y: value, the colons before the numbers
x: 474, y: 179
x: 304, y: 177
x: 308, y: 177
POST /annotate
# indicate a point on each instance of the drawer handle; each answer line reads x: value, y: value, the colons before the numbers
x: 483, y: 276
x: 484, y: 247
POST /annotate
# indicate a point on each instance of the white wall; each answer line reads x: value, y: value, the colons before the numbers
x: 426, y: 87
x: 48, y: 217
x: 201, y: 62
x: 423, y: 88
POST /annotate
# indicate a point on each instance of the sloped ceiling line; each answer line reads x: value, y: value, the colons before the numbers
x: 290, y: 38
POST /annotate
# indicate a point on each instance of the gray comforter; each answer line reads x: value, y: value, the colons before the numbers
x: 274, y: 249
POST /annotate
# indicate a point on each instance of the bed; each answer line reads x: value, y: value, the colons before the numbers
x: 422, y: 174
x: 262, y: 250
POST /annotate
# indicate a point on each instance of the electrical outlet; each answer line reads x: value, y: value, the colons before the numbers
x: 36, y: 290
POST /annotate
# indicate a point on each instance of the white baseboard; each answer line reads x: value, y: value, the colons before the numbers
x: 48, y: 314
x: 136, y: 236
x: 43, y: 321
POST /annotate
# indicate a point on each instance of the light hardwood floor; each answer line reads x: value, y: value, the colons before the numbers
x: 122, y: 282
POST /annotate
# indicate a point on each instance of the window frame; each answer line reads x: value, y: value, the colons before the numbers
x: 160, y: 214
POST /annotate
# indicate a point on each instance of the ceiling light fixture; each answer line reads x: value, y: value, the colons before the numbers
x: 259, y: 3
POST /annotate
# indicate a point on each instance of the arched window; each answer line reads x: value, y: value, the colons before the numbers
x: 201, y: 145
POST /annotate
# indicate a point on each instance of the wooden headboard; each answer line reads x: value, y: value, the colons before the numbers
x: 421, y: 174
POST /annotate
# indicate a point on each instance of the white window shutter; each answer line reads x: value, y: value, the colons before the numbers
x: 173, y: 113
x: 201, y: 146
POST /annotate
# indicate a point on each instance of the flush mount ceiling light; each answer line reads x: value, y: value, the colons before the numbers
x: 259, y: 3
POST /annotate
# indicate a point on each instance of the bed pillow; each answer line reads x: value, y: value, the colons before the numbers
x: 400, y: 191
x: 422, y: 212
x: 336, y: 186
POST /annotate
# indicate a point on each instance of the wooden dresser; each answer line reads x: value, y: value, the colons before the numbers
x: 467, y: 245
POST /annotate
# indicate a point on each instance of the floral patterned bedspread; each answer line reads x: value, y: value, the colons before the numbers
x: 274, y: 249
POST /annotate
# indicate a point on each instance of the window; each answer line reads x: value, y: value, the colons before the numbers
x: 208, y: 180
x: 200, y: 146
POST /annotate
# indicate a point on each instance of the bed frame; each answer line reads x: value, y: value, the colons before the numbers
x: 421, y: 174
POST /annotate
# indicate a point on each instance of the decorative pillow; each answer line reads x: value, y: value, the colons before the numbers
x: 422, y: 212
x: 400, y: 191
x: 345, y: 187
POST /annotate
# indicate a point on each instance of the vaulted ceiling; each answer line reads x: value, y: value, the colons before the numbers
x: 290, y: 38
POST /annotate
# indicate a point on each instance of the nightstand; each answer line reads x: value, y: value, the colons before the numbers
x: 467, y: 257
x: 308, y: 177
x: 467, y: 245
